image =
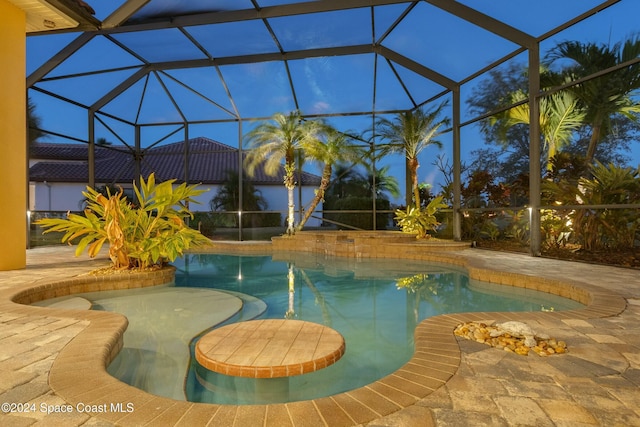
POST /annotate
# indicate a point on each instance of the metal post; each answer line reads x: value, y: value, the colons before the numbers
x: 534, y: 150
x: 137, y: 156
x: 240, y: 179
x: 91, y: 157
x: 457, y: 169
x: 374, y: 195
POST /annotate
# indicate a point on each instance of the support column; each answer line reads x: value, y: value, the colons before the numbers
x: 91, y: 159
x: 240, y: 179
x: 13, y: 137
x: 535, y: 235
x: 457, y: 169
x: 137, y: 157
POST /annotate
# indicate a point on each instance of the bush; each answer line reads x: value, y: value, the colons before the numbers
x: 421, y: 221
x: 362, y: 220
x: 148, y: 233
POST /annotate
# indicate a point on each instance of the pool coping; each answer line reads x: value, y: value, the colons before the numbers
x: 78, y: 374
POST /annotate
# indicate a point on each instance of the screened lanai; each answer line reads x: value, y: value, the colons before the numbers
x: 134, y: 76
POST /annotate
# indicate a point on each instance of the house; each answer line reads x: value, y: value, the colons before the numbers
x: 58, y: 173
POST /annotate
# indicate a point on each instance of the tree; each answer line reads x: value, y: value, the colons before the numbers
x: 384, y: 183
x: 228, y: 196
x: 33, y: 121
x: 410, y: 132
x: 331, y: 147
x: 504, y: 157
x: 559, y: 119
x: 227, y: 200
x: 348, y: 182
x: 345, y: 180
x: 276, y: 140
x: 103, y: 142
x: 605, y: 96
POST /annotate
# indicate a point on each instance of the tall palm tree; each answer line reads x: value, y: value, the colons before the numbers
x: 330, y: 148
x: 604, y: 96
x: 559, y: 118
x: 410, y: 132
x: 276, y: 140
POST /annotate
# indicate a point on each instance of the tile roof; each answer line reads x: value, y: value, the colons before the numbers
x: 209, y: 162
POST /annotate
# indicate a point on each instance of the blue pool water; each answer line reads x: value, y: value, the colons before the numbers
x: 374, y: 304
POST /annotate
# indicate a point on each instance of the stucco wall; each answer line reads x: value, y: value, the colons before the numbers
x: 13, y: 146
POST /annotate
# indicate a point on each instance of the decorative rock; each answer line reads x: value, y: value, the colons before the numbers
x: 515, y: 337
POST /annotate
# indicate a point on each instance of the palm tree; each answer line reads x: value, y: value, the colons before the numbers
x: 384, y: 183
x: 559, y: 118
x: 34, y: 122
x: 345, y: 178
x: 274, y: 141
x: 228, y: 196
x: 411, y: 132
x: 332, y: 147
x: 604, y: 96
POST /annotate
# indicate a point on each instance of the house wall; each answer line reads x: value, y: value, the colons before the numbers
x: 57, y: 196
x: 68, y: 197
x: 13, y: 137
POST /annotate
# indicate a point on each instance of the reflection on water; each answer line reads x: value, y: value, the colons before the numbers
x: 374, y: 304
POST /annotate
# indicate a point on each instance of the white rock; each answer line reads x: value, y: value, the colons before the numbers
x: 515, y: 328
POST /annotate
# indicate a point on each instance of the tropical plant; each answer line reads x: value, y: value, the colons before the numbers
x: 608, y: 228
x: 149, y: 234
x: 507, y: 157
x: 518, y: 226
x: 329, y: 148
x: 275, y: 141
x: 410, y: 132
x: 556, y: 227
x: 559, y: 119
x: 418, y: 220
x: 604, y: 96
x: 597, y: 228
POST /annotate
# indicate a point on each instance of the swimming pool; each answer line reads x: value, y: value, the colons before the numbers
x: 374, y: 304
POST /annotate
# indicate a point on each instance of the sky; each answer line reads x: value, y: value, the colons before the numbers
x: 331, y: 85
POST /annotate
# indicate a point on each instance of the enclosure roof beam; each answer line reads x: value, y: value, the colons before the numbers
x: 420, y: 69
x: 59, y: 58
x: 121, y: 88
x: 251, y: 14
x: 124, y: 12
x: 485, y: 21
x: 304, y: 54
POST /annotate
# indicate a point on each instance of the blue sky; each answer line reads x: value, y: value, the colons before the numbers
x: 427, y: 35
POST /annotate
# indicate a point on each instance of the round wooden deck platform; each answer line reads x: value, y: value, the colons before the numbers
x: 269, y: 348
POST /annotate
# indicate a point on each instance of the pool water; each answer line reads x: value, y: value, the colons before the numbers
x: 374, y: 304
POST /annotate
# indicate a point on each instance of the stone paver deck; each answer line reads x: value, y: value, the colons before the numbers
x: 53, y: 360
